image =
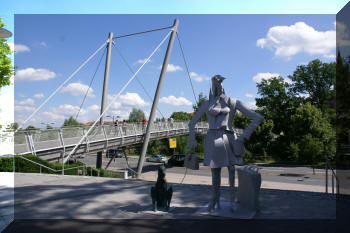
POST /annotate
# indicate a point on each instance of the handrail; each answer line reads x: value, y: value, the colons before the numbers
x: 329, y: 166
x: 41, y: 165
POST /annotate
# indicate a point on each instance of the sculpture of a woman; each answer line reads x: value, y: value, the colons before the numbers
x: 222, y: 147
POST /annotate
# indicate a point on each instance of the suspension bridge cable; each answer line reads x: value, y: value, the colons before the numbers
x: 93, y: 77
x: 189, y: 77
x: 69, y: 78
x: 137, y: 79
x: 138, y: 33
x: 188, y: 73
x: 114, y: 98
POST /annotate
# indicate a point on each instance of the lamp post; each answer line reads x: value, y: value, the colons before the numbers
x: 5, y: 33
x: 47, y: 124
x: 113, y: 117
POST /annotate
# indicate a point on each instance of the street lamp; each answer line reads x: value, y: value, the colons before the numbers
x: 47, y: 124
x: 5, y: 33
x: 113, y: 117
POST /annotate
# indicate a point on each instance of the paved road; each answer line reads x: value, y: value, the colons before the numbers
x: 292, y: 175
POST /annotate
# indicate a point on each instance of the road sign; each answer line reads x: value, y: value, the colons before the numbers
x: 172, y: 142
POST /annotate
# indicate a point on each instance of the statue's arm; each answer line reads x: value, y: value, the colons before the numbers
x: 197, y: 116
x: 256, y: 120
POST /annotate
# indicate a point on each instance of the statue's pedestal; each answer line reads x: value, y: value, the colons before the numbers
x: 160, y: 211
x: 225, y: 211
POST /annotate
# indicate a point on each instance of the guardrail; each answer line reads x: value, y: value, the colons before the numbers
x: 33, y: 141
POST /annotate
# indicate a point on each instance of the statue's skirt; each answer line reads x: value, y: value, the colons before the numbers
x: 218, y: 149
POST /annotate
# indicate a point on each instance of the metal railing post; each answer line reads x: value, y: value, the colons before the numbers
x: 332, y: 183
x: 326, y: 176
x: 105, y: 135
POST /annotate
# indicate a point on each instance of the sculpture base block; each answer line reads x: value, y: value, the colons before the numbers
x: 160, y: 211
x: 225, y: 211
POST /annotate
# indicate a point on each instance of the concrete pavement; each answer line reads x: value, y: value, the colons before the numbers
x: 39, y: 196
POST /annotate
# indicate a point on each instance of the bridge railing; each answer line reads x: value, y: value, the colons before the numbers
x: 30, y: 141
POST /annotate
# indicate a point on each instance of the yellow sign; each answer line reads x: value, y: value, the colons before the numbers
x: 172, y: 142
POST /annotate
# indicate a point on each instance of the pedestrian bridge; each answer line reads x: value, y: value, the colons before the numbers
x: 52, y: 144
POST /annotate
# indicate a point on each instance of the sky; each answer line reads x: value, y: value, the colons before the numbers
x: 241, y: 47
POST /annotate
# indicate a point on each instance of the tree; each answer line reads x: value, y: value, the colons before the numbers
x: 14, y: 126
x: 240, y: 121
x: 201, y: 99
x: 343, y: 99
x: 312, y: 134
x: 71, y: 121
x: 260, y: 140
x: 181, y: 116
x: 6, y: 67
x: 136, y: 115
x: 30, y: 127
x: 316, y: 80
x: 277, y: 103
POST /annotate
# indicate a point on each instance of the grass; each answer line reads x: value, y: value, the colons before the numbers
x: 24, y: 166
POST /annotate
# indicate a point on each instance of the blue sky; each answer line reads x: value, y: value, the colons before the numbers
x: 239, y: 47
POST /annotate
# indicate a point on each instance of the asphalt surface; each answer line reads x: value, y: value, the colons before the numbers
x: 291, y: 175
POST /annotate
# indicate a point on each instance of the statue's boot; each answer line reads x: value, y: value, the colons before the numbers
x: 231, y: 172
x: 216, y: 180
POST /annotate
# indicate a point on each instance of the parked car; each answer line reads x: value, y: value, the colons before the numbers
x: 80, y: 156
x: 118, y: 152
x: 177, y: 160
x: 157, y: 159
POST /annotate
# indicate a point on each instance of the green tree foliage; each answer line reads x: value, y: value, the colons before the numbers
x: 30, y: 127
x: 136, y: 115
x: 240, y: 121
x: 343, y: 99
x: 316, y: 80
x: 14, y: 126
x: 261, y: 139
x: 181, y: 116
x: 276, y: 102
x: 71, y: 121
x: 6, y: 67
x: 312, y: 133
x: 201, y: 99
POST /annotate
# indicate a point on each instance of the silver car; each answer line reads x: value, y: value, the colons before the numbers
x: 157, y: 159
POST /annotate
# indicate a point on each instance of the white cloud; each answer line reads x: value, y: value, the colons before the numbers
x: 343, y: 36
x: 76, y: 89
x: 249, y: 95
x: 199, y: 78
x: 12, y: 46
x: 23, y: 108
x: 330, y: 56
x: 60, y: 113
x: 39, y: 95
x: 306, y: 95
x: 252, y: 105
x: 260, y: 76
x: 42, y: 44
x: 300, y: 37
x: 141, y: 61
x: 21, y: 48
x: 28, y: 101
x: 32, y: 74
x: 175, y: 101
x: 172, y: 68
x: 127, y: 100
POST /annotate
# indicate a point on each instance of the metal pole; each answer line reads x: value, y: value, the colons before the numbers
x: 105, y: 81
x: 326, y: 176
x: 156, y: 99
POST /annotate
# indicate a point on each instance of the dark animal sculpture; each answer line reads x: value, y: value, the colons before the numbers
x: 160, y: 193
